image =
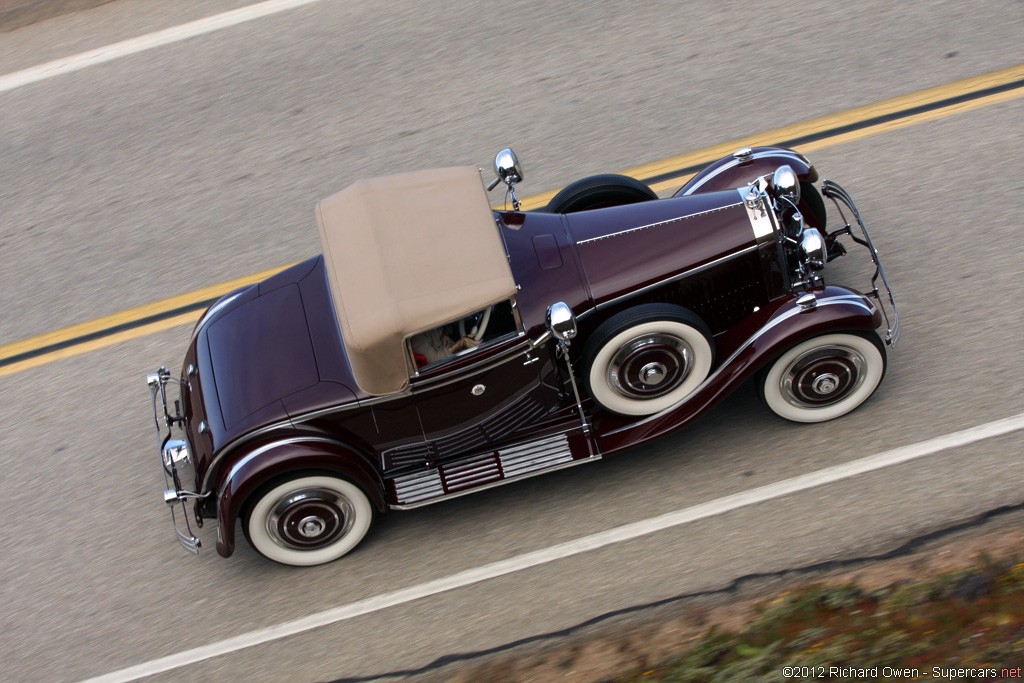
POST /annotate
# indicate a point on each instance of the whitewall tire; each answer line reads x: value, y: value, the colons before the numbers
x: 307, y: 520
x: 647, y: 359
x: 825, y: 377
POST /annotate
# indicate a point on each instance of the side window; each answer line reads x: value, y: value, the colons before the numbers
x: 477, y: 330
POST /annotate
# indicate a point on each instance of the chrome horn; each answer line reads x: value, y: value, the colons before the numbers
x: 509, y: 171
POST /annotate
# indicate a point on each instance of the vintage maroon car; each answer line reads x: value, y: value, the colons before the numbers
x: 438, y: 347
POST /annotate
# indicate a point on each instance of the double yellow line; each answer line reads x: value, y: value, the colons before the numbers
x: 808, y: 136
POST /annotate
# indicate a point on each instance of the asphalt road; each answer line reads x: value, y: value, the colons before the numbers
x: 193, y: 163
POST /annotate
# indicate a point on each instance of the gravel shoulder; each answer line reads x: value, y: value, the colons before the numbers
x: 641, y: 639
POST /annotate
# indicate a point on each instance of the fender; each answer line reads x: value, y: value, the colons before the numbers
x: 273, y: 457
x: 731, y: 171
x: 782, y: 325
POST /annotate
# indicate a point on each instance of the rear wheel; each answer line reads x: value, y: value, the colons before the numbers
x: 647, y: 358
x: 599, y: 192
x: 824, y: 377
x: 307, y: 520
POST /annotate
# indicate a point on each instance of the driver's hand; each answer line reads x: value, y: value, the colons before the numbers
x: 464, y: 343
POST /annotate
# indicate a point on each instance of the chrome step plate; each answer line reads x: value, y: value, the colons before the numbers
x: 482, y: 470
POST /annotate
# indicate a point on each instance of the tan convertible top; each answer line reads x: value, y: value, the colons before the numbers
x: 404, y: 254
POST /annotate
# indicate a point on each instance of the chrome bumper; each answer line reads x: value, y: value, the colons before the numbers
x: 841, y: 197
x: 175, y: 459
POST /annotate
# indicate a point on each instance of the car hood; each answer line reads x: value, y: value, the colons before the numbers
x: 273, y: 352
x: 626, y: 248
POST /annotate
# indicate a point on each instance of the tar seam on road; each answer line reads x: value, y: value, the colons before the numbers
x: 584, y: 544
x: 731, y: 588
x: 662, y: 177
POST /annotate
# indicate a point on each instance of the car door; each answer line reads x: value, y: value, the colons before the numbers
x: 493, y: 396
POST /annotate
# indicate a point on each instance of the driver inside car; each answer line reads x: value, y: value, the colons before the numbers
x: 434, y: 345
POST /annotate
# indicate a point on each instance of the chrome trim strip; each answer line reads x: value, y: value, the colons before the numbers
x: 654, y: 225
x: 673, y: 278
x: 259, y: 451
x: 843, y: 298
x: 745, y: 160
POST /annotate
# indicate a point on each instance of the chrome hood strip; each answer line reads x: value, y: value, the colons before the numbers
x: 654, y: 225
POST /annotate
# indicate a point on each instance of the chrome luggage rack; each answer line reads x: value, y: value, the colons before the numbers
x: 175, y: 459
x: 837, y: 194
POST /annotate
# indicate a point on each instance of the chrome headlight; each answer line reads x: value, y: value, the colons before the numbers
x: 812, y: 249
x: 785, y: 184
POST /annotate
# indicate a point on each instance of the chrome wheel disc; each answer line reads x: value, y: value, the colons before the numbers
x: 650, y: 366
x: 823, y: 376
x: 309, y: 518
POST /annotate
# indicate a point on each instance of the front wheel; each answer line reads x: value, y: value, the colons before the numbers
x: 646, y: 359
x: 824, y: 377
x: 307, y: 520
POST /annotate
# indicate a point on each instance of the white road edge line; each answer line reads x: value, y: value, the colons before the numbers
x: 580, y: 545
x: 149, y: 41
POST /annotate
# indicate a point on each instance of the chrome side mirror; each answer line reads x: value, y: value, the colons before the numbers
x: 509, y: 171
x: 507, y: 167
x: 561, y: 322
x: 785, y: 184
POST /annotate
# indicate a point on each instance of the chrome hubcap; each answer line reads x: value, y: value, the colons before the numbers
x: 823, y: 376
x: 311, y: 527
x: 650, y: 366
x: 309, y: 518
x: 652, y: 373
x: 825, y: 384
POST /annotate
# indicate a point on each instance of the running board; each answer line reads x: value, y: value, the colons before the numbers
x: 483, y: 471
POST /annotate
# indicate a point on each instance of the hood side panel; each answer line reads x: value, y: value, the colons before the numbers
x: 625, y: 248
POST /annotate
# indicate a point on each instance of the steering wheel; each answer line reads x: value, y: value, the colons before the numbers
x: 481, y: 318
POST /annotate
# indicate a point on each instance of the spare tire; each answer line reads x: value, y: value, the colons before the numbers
x: 599, y: 192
